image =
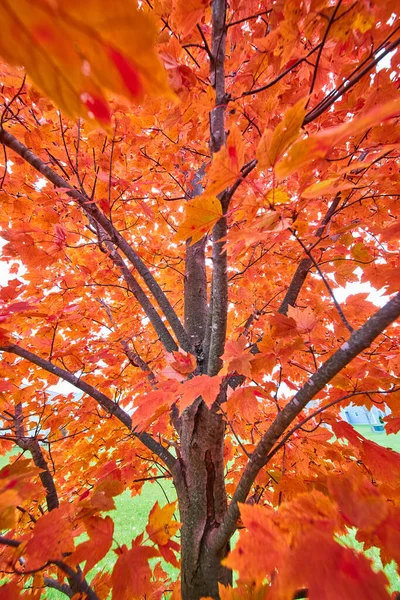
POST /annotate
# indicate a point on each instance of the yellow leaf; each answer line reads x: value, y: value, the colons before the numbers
x: 329, y: 186
x: 360, y: 253
x: 363, y: 22
x: 73, y: 50
x: 277, y: 196
x: 162, y: 525
x: 275, y: 142
x: 201, y: 215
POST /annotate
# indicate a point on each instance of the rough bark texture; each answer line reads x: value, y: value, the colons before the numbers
x: 31, y: 444
x: 196, y: 309
x: 199, y: 480
x: 195, y: 290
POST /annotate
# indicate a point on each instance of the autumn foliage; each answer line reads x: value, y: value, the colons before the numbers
x: 186, y: 188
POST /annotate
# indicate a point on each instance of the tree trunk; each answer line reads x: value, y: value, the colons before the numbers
x: 199, y: 480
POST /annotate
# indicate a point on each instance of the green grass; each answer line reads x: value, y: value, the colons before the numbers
x: 131, y: 514
x: 388, y: 441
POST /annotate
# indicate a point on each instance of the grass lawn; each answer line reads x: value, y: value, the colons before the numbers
x: 389, y: 441
x: 130, y: 516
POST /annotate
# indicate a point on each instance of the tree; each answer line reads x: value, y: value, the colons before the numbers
x: 175, y: 247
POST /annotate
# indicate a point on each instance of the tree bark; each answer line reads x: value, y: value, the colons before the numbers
x: 199, y: 481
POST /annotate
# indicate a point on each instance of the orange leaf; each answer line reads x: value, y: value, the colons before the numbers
x: 243, y: 402
x: 238, y: 360
x: 132, y: 574
x: 282, y: 326
x: 249, y: 556
x: 201, y: 215
x: 328, y: 570
x: 201, y: 385
x: 187, y: 13
x: 320, y: 144
x: 226, y: 164
x: 308, y: 510
x: 51, y: 538
x: 149, y: 407
x: 274, y: 142
x: 100, y: 532
x: 92, y: 45
x: 305, y: 318
x: 359, y: 501
x: 181, y: 361
x: 162, y: 525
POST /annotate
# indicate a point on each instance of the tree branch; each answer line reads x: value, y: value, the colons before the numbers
x: 64, y: 588
x: 347, y: 84
x: 321, y: 410
x: 165, y: 337
x: 321, y: 47
x: 305, y: 264
x: 328, y: 287
x: 219, y: 284
x: 76, y: 578
x: 195, y: 280
x: 105, y: 402
x: 31, y: 444
x: 116, y: 238
x: 358, y: 341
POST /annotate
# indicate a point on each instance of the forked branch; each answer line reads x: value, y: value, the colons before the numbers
x: 115, y: 237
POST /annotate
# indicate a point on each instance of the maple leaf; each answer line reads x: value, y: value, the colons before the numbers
x: 318, y: 559
x: 360, y: 502
x: 161, y: 524
x: 92, y: 46
x: 249, y: 556
x: 187, y: 13
x: 52, y: 537
x: 305, y: 318
x: 238, y: 360
x: 201, y: 385
x: 149, y: 407
x: 15, y: 487
x: 382, y: 461
x: 226, y: 164
x: 274, y: 142
x: 392, y: 424
x: 282, y: 326
x: 201, y: 215
x: 100, y: 531
x: 102, y: 497
x: 244, y: 402
x: 132, y: 574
